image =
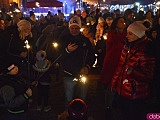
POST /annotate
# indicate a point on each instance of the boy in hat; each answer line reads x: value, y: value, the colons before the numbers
x: 77, y: 110
x: 14, y: 91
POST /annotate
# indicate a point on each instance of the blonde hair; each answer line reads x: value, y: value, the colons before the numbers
x: 22, y: 34
x: 23, y: 25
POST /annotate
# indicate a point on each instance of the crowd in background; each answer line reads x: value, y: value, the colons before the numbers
x: 109, y: 34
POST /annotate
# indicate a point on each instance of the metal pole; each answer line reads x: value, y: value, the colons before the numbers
x: 28, y: 65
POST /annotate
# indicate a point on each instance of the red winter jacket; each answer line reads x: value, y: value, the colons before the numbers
x: 114, y: 45
x: 136, y: 84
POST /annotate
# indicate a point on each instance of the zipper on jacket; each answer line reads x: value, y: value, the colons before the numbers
x: 123, y: 68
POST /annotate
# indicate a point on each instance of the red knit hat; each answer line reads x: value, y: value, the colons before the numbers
x: 77, y: 109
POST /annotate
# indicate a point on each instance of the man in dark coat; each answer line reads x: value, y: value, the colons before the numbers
x: 77, y: 58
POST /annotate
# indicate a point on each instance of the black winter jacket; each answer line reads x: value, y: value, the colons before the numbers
x: 12, y: 91
x: 83, y: 56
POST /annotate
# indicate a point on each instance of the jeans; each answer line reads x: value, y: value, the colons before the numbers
x: 74, y: 89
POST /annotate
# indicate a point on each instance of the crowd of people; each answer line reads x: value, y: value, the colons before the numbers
x: 122, y: 47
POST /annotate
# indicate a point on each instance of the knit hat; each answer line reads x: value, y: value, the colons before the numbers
x: 137, y: 28
x: 100, y: 19
x: 23, y: 24
x: 42, y: 64
x: 7, y: 64
x: 8, y: 69
x: 75, y: 21
x: 41, y: 55
x: 77, y: 109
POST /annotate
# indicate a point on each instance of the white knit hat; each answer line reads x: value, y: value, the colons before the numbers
x: 23, y: 24
x: 137, y: 28
x: 75, y: 21
x: 41, y: 55
x: 42, y: 64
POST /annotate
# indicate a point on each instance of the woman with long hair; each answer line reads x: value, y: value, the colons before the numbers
x: 114, y: 44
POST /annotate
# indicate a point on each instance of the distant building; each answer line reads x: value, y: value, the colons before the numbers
x: 6, y: 3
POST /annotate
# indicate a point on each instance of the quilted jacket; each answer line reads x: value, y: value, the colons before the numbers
x: 134, y: 85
